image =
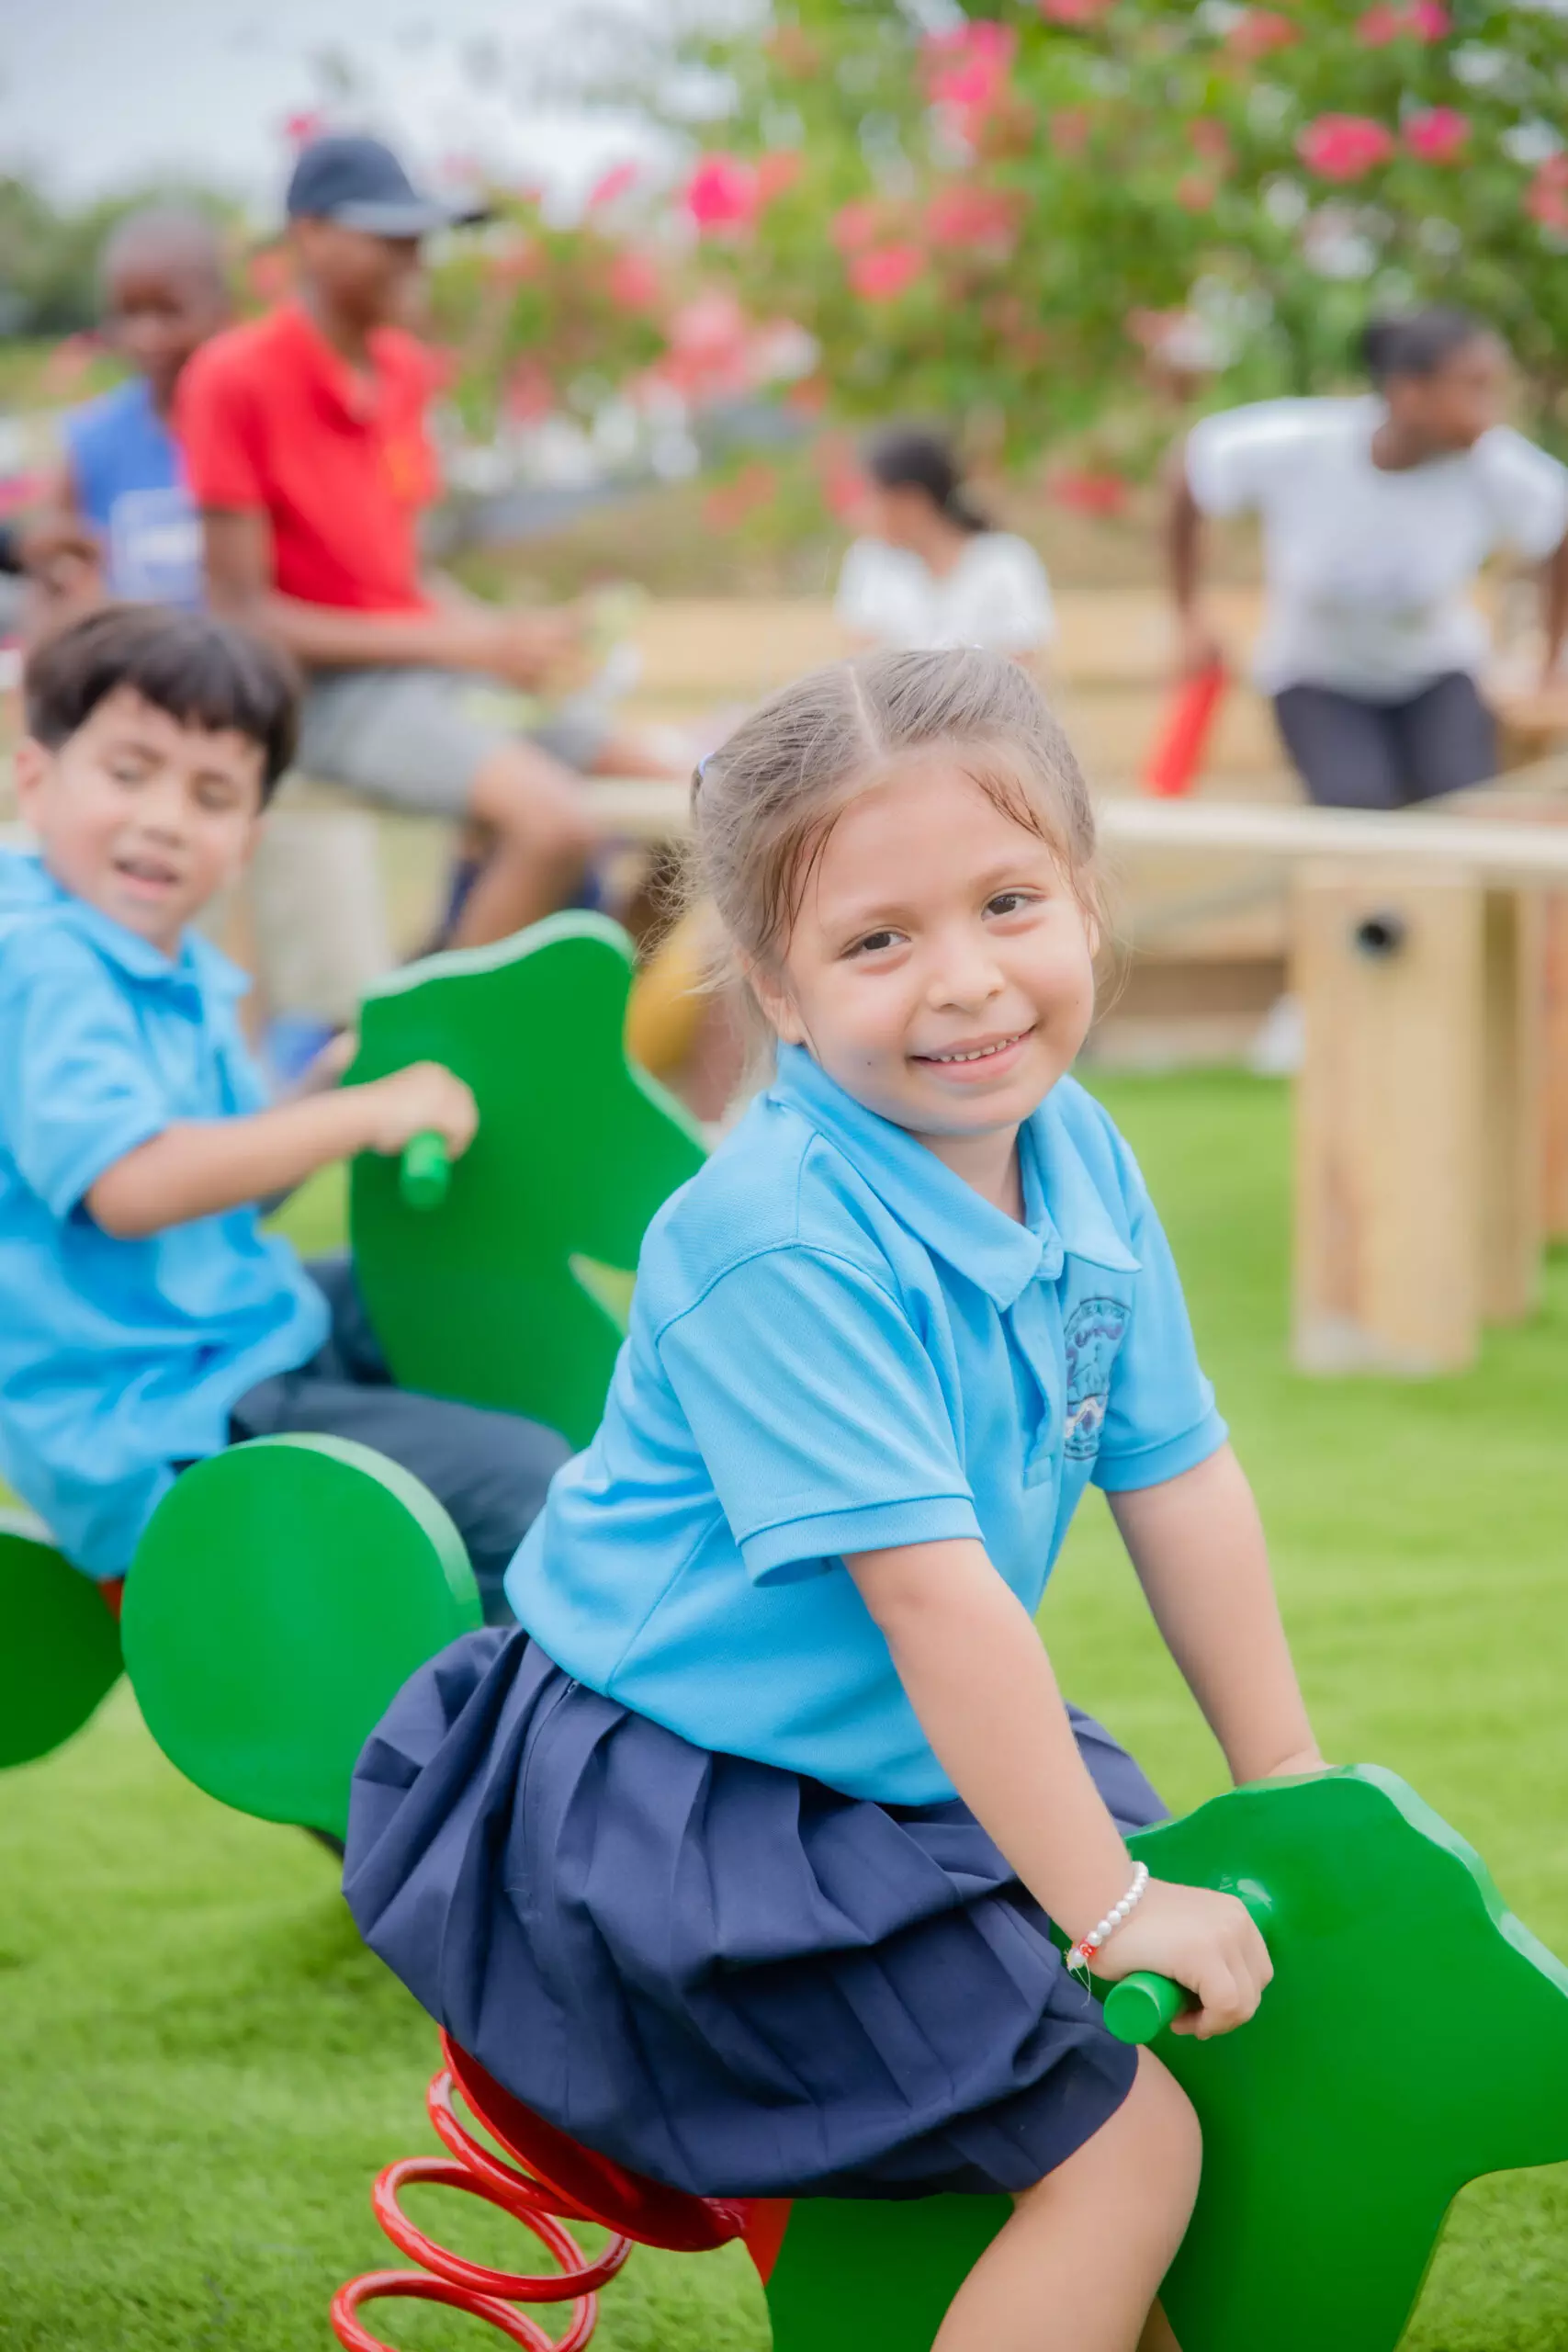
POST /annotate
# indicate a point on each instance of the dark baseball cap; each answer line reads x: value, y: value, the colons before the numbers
x: 359, y: 182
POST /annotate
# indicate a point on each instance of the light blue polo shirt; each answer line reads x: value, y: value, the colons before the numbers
x: 120, y: 1358
x: 837, y: 1345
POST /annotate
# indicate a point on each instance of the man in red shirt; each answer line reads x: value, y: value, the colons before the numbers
x: 304, y: 440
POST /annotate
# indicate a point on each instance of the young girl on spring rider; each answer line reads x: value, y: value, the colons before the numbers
x: 734, y: 1861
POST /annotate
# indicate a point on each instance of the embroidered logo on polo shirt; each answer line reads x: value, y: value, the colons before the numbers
x: 404, y: 462
x: 1093, y: 1334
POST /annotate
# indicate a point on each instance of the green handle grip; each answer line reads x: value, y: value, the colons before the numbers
x: 425, y: 1171
x: 1142, y: 2004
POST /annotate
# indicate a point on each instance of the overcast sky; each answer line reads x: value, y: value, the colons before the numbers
x: 95, y: 94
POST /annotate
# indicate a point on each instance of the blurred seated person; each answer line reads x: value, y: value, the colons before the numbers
x: 929, y: 571
x: 304, y: 439
x: 164, y: 293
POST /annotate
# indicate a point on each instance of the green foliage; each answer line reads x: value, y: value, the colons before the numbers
x: 539, y: 316
x: 1060, y: 180
x: 48, y: 255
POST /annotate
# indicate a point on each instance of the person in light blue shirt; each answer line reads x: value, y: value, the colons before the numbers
x: 163, y: 295
x: 738, y: 1859
x: 146, y: 1319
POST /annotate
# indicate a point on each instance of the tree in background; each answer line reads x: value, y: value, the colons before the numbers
x: 1031, y: 216
x: 49, y: 253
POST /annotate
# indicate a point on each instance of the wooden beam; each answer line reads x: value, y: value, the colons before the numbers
x: 1515, y: 855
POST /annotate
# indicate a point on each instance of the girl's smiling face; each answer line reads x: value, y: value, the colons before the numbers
x: 940, y: 966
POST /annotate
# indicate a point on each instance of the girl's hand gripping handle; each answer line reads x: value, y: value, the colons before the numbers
x: 1143, y: 2004
x: 1188, y: 1957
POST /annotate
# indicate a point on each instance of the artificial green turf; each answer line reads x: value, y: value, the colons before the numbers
x: 201, y: 2070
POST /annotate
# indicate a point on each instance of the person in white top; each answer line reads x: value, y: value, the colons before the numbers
x: 931, y: 573
x: 1378, y: 512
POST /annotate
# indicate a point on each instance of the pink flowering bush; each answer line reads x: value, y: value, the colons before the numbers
x: 854, y: 226
x: 1441, y: 135
x: 984, y: 214
x: 967, y: 68
x: 1344, y: 146
x: 976, y: 219
x: 722, y: 193
x: 1547, y: 198
x: 634, y: 281
x: 1256, y: 31
x: 611, y: 186
x: 1423, y: 20
x: 885, y: 273
x: 534, y: 307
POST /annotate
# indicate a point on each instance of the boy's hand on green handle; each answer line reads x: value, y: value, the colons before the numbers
x: 425, y: 1172
x: 1204, y: 1941
x: 423, y: 1098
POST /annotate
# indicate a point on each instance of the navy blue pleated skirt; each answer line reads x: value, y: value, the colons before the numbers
x: 716, y: 1972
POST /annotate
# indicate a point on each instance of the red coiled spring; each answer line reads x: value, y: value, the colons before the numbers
x: 447, y: 2278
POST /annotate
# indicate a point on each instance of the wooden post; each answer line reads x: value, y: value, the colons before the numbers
x: 1513, y: 1026
x: 1392, y: 977
x: 1554, y: 1058
x: 1538, y: 797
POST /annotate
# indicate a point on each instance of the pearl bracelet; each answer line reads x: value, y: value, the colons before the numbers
x: 1083, y: 1952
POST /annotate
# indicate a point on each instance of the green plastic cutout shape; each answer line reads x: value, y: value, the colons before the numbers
x: 853, y: 2274
x: 1415, y: 2037
x: 58, y: 1643
x: 509, y: 1289
x: 283, y: 1593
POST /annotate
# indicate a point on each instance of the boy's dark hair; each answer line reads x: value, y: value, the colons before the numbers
x: 203, y: 672
x: 912, y: 457
x: 1417, y: 342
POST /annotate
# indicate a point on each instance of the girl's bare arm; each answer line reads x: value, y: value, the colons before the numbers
x: 1197, y: 1545
x: 979, y: 1677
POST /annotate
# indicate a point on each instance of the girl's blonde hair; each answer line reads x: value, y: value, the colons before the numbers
x: 765, y: 804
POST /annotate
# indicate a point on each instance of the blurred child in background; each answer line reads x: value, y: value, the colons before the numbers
x: 1378, y: 512
x: 931, y: 571
x: 163, y: 294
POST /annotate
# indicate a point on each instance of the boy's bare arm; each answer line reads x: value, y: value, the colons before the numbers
x: 1197, y: 1545
x: 520, y: 649
x: 1198, y: 648
x: 201, y: 1166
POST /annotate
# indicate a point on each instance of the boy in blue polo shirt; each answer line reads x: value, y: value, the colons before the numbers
x: 146, y: 1319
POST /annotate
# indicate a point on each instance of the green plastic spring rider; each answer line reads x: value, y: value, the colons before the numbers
x: 502, y: 1280
x: 505, y: 1280
x: 1338, y: 2125
x: 60, y: 1649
